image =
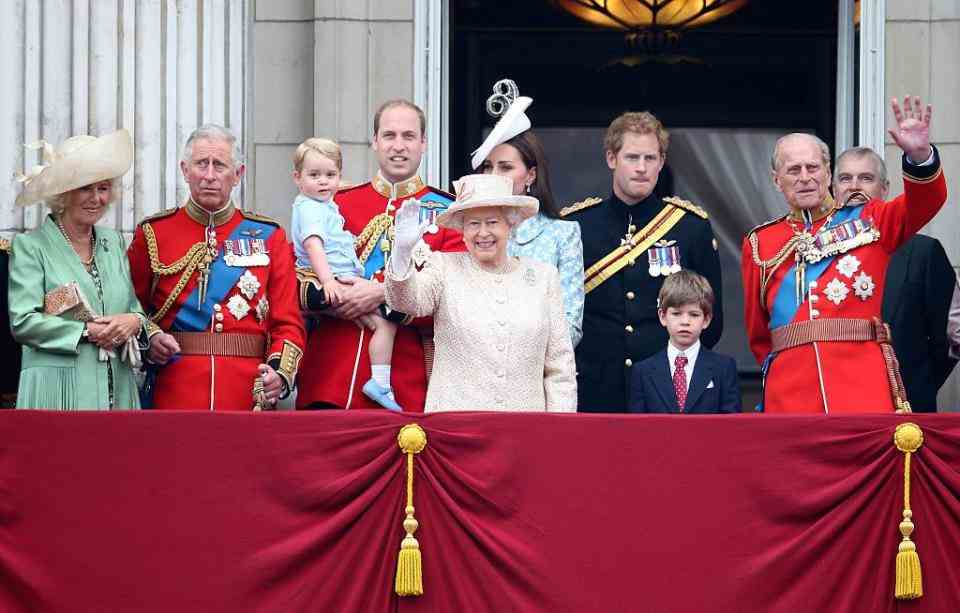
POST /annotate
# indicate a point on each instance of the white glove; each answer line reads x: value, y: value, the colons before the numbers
x: 407, y: 230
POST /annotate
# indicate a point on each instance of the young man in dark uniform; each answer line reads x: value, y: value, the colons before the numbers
x: 631, y: 242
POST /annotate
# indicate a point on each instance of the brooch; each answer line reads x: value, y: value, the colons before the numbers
x: 421, y: 251
x: 530, y: 276
x: 248, y: 284
x: 238, y: 307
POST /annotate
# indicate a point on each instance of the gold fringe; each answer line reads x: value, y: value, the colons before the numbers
x: 909, y: 580
x: 409, y: 580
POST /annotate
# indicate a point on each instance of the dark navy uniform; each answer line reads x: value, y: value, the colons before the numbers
x: 10, y: 374
x: 620, y: 323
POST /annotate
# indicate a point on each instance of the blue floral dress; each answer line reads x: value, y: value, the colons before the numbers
x: 556, y: 242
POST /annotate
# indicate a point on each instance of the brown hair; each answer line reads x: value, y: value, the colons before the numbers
x: 638, y: 123
x: 321, y: 146
x: 686, y: 287
x: 402, y: 102
x: 531, y: 152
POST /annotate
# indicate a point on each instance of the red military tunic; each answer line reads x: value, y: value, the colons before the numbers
x: 262, y: 302
x: 837, y: 376
x: 337, y: 363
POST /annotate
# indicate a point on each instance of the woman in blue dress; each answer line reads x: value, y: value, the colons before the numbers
x: 513, y: 150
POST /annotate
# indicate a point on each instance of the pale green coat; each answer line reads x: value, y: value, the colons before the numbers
x: 59, y: 371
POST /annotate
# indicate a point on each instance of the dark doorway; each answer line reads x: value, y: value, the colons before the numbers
x: 769, y: 65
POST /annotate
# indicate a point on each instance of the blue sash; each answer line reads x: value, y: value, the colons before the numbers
x: 785, y: 302
x: 377, y: 259
x: 194, y: 316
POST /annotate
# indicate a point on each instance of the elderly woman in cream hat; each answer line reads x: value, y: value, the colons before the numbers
x: 501, y: 338
x: 72, y: 304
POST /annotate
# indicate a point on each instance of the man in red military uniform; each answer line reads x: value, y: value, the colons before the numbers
x: 221, y: 281
x: 814, y: 278
x: 337, y: 363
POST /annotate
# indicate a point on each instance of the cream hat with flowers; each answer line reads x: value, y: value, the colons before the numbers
x: 477, y: 191
x: 77, y: 162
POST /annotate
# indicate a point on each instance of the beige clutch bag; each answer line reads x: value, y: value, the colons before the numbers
x: 68, y: 301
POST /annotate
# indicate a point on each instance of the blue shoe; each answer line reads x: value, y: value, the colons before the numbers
x: 381, y: 395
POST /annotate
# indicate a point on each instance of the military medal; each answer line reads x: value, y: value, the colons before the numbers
x: 238, y: 307
x: 248, y: 284
x: 246, y: 252
x: 674, y: 252
x: 863, y: 286
x: 654, y: 261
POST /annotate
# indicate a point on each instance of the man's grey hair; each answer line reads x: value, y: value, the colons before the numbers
x: 824, y: 149
x: 866, y: 152
x: 212, y: 131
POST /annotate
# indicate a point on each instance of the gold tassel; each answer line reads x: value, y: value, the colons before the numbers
x: 409, y: 582
x: 908, y: 438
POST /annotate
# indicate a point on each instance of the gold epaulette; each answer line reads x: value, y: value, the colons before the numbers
x: 579, y: 206
x: 769, y: 222
x: 4, y: 244
x: 160, y: 215
x: 686, y: 205
x: 346, y: 186
x: 261, y: 218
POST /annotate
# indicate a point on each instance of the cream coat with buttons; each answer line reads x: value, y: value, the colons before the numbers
x: 502, y: 341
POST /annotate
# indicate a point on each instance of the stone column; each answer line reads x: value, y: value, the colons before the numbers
x: 158, y: 68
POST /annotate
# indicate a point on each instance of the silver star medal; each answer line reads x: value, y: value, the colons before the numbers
x: 248, y: 284
x: 863, y: 286
x: 238, y: 307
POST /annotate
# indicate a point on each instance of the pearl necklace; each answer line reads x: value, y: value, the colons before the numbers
x: 66, y: 235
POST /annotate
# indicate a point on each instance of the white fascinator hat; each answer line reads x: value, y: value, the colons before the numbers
x: 507, y: 104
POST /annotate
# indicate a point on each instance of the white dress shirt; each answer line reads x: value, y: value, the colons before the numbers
x: 691, y: 352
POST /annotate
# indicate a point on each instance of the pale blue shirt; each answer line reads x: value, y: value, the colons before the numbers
x: 323, y: 220
x: 556, y: 242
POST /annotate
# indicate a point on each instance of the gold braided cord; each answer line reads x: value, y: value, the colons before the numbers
x: 187, y: 264
x: 906, y: 481
x: 156, y: 265
x: 768, y: 267
x: 410, y: 508
x: 371, y: 233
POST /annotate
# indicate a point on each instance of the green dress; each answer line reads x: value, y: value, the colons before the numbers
x: 61, y: 371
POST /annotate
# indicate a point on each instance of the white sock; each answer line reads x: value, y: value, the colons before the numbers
x: 381, y: 374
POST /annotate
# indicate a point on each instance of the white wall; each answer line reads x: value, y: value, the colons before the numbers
x: 158, y: 68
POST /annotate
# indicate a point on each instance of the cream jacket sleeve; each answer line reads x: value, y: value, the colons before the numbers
x: 416, y: 292
x: 559, y: 371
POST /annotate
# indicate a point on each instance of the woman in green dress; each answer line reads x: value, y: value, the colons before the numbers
x: 69, y: 363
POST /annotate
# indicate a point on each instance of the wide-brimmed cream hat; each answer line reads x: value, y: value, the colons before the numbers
x: 477, y: 191
x: 78, y: 161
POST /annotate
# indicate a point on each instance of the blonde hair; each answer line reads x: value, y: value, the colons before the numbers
x: 686, y: 287
x: 58, y: 202
x: 638, y: 123
x: 321, y: 146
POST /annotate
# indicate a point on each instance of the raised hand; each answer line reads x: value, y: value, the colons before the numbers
x: 913, y: 128
x: 407, y: 227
